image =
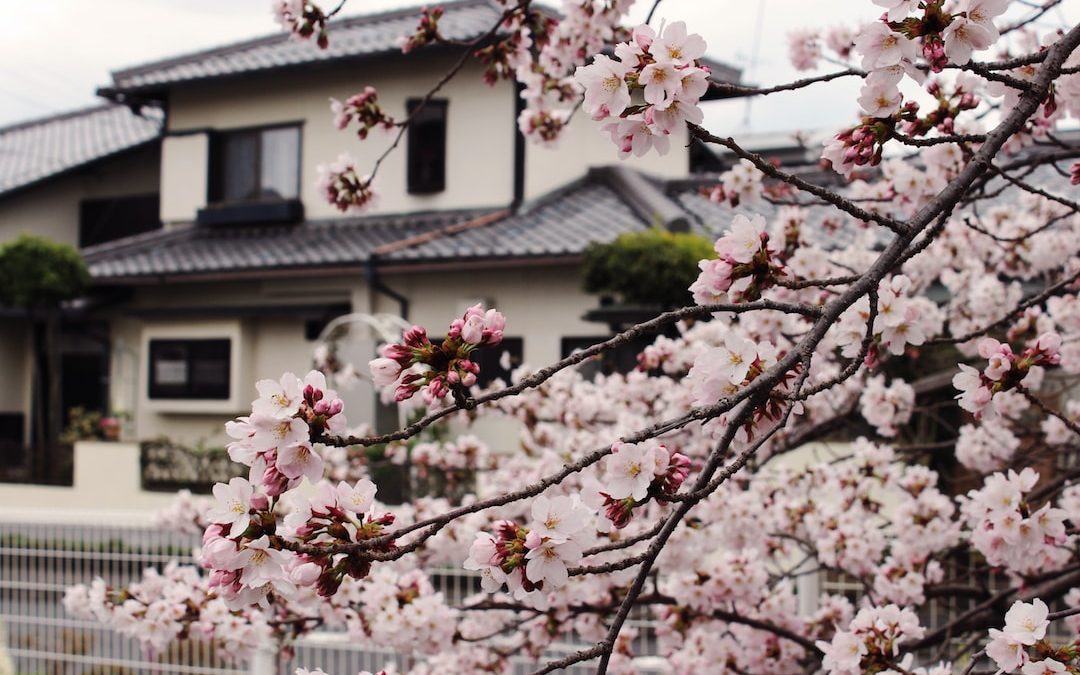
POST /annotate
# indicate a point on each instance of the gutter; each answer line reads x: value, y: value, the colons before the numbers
x: 371, y: 275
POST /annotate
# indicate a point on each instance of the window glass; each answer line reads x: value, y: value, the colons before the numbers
x: 189, y: 369
x: 280, y: 163
x: 240, y: 154
x: 255, y: 165
x: 427, y: 147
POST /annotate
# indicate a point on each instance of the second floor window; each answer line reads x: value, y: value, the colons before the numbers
x: 427, y: 147
x: 255, y: 165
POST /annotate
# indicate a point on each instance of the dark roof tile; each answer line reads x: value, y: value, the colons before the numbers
x: 39, y: 149
x: 366, y: 35
x: 201, y: 249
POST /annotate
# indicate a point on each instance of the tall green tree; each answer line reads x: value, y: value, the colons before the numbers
x: 38, y: 275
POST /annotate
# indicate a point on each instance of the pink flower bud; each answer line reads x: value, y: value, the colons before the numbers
x: 305, y: 574
x: 1048, y: 343
x: 415, y: 337
x: 384, y: 371
x: 988, y: 347
x: 533, y: 540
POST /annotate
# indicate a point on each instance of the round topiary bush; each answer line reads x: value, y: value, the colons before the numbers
x: 37, y: 272
x: 654, y: 267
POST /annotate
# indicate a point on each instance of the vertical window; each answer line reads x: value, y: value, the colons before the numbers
x: 255, y: 165
x: 498, y: 362
x: 427, y: 147
x: 190, y: 369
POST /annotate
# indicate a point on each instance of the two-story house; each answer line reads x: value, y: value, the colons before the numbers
x: 250, y: 262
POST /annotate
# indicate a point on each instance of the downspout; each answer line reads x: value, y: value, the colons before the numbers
x: 371, y: 276
x: 519, y: 150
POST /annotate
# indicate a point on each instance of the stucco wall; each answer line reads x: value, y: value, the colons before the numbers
x: 583, y: 145
x: 479, y: 145
x: 52, y: 208
x: 106, y: 486
x: 267, y: 345
x: 543, y: 304
x: 184, y: 165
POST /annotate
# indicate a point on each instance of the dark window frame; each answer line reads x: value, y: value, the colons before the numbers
x: 215, y: 183
x: 425, y: 166
x: 193, y: 349
x: 104, y: 219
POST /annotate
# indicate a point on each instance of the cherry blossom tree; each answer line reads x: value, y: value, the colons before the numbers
x: 920, y: 312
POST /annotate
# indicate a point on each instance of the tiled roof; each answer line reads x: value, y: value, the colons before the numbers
x: 366, y: 35
x: 350, y: 38
x: 195, y: 250
x: 36, y: 150
x: 562, y: 224
x: 595, y: 208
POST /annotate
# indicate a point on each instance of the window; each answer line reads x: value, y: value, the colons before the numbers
x: 493, y: 361
x: 102, y: 220
x: 622, y: 359
x: 427, y: 147
x: 190, y: 369
x: 255, y: 165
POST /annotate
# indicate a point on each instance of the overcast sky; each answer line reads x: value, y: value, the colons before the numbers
x: 54, y: 53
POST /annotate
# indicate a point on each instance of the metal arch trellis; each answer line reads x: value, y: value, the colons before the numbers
x: 386, y: 327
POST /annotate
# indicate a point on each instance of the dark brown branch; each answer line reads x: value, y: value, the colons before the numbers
x: 765, y: 167
x: 544, y: 374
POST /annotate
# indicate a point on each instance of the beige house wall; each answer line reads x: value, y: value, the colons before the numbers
x: 584, y: 145
x: 184, y: 165
x: 480, y: 136
x: 262, y: 347
x: 543, y: 305
x: 52, y: 208
x: 480, y: 133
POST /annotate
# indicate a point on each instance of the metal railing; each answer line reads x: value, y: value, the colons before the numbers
x: 41, y: 556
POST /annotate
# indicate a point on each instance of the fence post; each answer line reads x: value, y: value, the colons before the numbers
x: 808, y: 591
x: 264, y: 660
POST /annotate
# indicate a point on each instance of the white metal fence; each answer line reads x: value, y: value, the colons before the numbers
x: 41, y: 557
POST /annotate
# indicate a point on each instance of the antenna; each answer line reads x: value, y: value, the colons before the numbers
x: 752, y: 67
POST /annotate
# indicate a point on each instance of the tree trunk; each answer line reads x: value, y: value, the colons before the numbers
x: 55, y: 415
x: 36, y: 443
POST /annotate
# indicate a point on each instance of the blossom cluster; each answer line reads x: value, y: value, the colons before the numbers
x: 666, y: 70
x: 427, y: 30
x: 889, y: 49
x: 747, y: 262
x: 887, y: 408
x: 633, y: 472
x: 365, y: 109
x: 1012, y: 533
x: 1025, y: 627
x: 871, y: 641
x: 903, y: 319
x: 981, y: 392
x: 169, y: 605
x: 533, y: 561
x: 342, y: 185
x: 416, y: 363
x: 302, y: 19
